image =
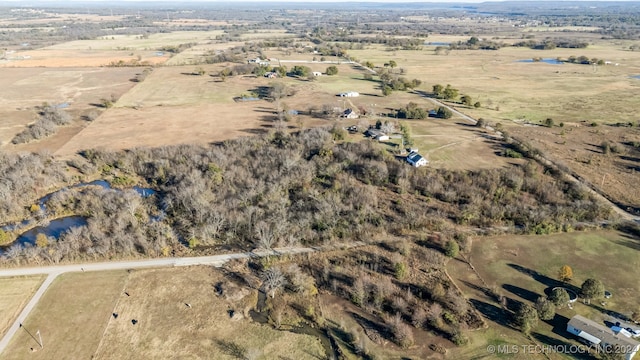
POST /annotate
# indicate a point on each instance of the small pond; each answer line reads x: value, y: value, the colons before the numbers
x: 545, y: 60
x: 437, y: 43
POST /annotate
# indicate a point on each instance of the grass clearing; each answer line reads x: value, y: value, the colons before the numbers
x: 167, y: 326
x: 15, y: 293
x: 71, y: 316
x: 522, y: 267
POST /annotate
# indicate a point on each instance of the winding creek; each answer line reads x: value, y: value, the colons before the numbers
x: 56, y: 227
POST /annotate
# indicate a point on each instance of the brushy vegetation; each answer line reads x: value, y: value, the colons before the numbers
x: 280, y: 190
x: 49, y: 118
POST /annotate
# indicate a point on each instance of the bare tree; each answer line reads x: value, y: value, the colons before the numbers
x: 266, y: 237
x: 273, y: 281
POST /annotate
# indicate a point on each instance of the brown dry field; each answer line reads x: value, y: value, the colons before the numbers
x: 48, y: 17
x: 55, y: 58
x: 25, y: 88
x: 578, y: 145
x: 71, y: 317
x: 171, y: 107
x: 174, y: 108
x: 15, y: 293
x: 203, y: 331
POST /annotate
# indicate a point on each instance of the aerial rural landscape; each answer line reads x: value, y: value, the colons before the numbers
x: 288, y: 180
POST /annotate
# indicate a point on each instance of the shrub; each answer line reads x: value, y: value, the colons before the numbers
x: 444, y: 113
x: 451, y: 248
x: 400, y: 270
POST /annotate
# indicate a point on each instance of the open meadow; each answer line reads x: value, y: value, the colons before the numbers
x: 209, y: 326
x: 522, y: 268
x: 510, y: 89
x: 15, y: 293
x: 77, y: 90
x: 71, y: 317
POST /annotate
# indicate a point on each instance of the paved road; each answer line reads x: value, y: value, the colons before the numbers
x: 53, y: 271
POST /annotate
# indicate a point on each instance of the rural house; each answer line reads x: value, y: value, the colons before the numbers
x: 349, y: 94
x: 602, y: 336
x: 349, y: 114
x: 376, y: 134
x: 416, y: 159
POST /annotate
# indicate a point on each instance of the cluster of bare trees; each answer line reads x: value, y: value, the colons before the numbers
x: 25, y: 176
x: 284, y: 189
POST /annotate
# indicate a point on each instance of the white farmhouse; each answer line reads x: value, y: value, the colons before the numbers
x: 416, y: 159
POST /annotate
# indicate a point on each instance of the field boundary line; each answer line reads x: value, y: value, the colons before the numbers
x: 113, y: 311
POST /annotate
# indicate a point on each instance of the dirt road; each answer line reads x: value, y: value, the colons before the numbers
x: 216, y: 260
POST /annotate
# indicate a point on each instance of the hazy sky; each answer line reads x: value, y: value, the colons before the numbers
x: 306, y: 1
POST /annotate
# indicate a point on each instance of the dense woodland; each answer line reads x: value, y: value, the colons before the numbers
x: 277, y: 190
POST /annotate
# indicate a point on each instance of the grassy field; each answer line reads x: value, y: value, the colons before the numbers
x: 71, y: 316
x: 155, y: 113
x: 22, y: 89
x: 522, y: 267
x: 167, y: 326
x: 514, y: 93
x: 172, y: 107
x: 75, y: 318
x: 14, y: 295
x: 510, y: 90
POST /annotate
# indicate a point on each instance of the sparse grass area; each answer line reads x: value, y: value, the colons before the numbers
x: 24, y: 89
x: 15, y: 293
x: 167, y: 326
x: 71, y: 316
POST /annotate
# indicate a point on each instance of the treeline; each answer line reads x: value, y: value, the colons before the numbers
x: 550, y: 44
x: 475, y: 43
x: 285, y: 189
